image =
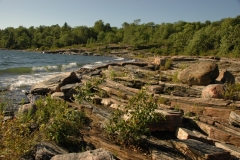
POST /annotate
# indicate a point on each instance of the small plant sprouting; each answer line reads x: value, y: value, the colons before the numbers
x: 232, y: 92
x: 168, y: 64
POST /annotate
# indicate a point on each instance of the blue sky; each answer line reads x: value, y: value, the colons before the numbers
x: 15, y: 13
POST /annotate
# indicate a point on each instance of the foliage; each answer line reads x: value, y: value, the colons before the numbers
x: 175, y: 77
x: 51, y: 119
x: 84, y: 93
x: 232, y: 92
x: 168, y: 64
x: 192, y: 38
x: 140, y: 113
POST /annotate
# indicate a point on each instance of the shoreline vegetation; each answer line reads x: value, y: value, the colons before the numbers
x: 218, y: 38
x: 136, y: 110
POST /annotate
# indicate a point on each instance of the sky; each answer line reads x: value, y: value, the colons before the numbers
x: 15, y: 13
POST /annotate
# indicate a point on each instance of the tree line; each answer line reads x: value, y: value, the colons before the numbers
x: 192, y: 38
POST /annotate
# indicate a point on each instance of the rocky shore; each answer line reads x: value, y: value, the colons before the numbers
x: 200, y: 122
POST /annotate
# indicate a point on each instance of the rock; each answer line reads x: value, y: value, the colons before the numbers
x: 225, y: 77
x: 97, y: 154
x: 54, y: 83
x: 237, y: 80
x: 159, y: 61
x: 158, y: 154
x: 203, y: 73
x: 26, y: 108
x: 69, y: 90
x: 234, y: 119
x: 46, y: 150
x: 235, y: 151
x: 170, y: 120
x: 58, y: 95
x: 106, y: 101
x: 184, y: 133
x: 155, y: 89
x: 213, y: 91
x: 200, y: 151
x: 220, y: 134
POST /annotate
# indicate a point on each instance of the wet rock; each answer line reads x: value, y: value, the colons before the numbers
x: 54, y: 83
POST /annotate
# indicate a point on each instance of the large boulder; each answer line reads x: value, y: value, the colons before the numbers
x: 213, y: 91
x: 203, y: 73
x: 54, y: 83
x: 97, y: 154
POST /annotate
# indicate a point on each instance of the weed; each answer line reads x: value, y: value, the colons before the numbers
x: 52, y: 120
x: 84, y: 93
x: 140, y: 112
x: 175, y: 77
x: 168, y: 64
x: 232, y: 92
x: 177, y: 107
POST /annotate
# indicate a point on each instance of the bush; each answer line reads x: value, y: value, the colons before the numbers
x: 232, y: 92
x: 52, y: 120
x: 140, y: 112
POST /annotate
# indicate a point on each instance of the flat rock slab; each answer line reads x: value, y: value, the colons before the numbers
x: 171, y: 120
x: 200, y: 151
x: 219, y: 134
x: 98, y: 154
x: 235, y: 151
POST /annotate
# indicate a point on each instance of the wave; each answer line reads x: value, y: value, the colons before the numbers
x: 119, y: 59
x: 38, y: 69
x: 69, y: 66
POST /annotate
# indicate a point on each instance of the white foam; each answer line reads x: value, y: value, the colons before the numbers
x: 26, y: 80
x: 88, y: 66
x: 39, y: 69
x: 52, y: 67
x: 69, y: 66
x: 99, y: 62
x: 119, y: 59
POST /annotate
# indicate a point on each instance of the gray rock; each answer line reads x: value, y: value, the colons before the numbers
x: 46, y: 150
x: 54, y: 83
x: 97, y: 154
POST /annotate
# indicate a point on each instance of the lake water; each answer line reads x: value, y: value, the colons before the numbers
x: 20, y: 70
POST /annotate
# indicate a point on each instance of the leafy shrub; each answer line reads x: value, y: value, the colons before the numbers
x: 84, y: 93
x: 52, y: 120
x: 232, y: 92
x: 140, y: 112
